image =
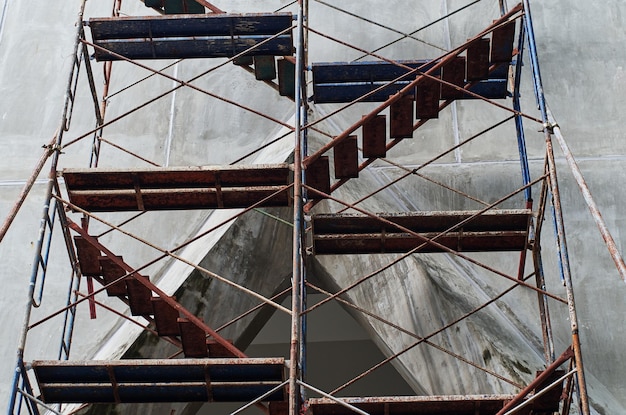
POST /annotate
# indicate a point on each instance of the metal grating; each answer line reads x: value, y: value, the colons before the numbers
x: 192, y: 36
x: 415, y: 405
x: 143, y: 380
x: 341, y: 82
x: 102, y: 190
x: 500, y: 230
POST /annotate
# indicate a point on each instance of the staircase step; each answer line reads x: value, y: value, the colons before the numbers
x: 176, y: 6
x: 401, y: 118
x: 478, y: 60
x: 318, y: 176
x: 264, y: 68
x: 196, y: 344
x: 87, y: 257
x: 243, y: 60
x: 138, y: 297
x: 427, y: 99
x: 502, y: 40
x: 453, y: 72
x: 217, y: 35
x: 165, y: 317
x: 112, y: 272
x: 375, y: 137
x: 346, y: 158
x: 498, y: 230
x: 148, y: 380
x: 217, y: 350
x: 193, y: 339
x: 286, y: 78
x: 170, y: 188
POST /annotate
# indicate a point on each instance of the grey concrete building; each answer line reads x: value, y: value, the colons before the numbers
x: 582, y: 65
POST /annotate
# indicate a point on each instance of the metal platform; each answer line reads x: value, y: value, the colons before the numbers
x: 192, y: 36
x: 341, y: 82
x: 497, y: 230
x: 171, y: 188
x: 179, y: 380
x: 416, y: 405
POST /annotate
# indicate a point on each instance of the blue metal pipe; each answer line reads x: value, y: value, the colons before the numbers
x: 303, y: 58
x: 532, y: 46
x: 519, y: 124
x: 46, y: 254
x: 554, y: 188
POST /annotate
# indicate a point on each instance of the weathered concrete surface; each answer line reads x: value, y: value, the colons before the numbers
x: 584, y: 80
x: 426, y: 291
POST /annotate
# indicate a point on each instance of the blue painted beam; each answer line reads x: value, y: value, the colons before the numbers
x: 339, y: 82
x: 145, y: 380
x: 192, y: 36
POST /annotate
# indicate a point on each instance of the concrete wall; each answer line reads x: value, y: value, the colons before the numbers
x: 584, y: 79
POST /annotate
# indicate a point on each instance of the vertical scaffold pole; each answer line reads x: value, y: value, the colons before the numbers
x: 19, y: 366
x: 303, y: 108
x: 558, y: 213
x: 544, y: 312
x: 298, y: 226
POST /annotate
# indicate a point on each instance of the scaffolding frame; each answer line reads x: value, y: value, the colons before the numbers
x: 305, y: 198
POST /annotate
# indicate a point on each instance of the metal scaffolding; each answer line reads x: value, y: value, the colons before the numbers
x: 399, y: 96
